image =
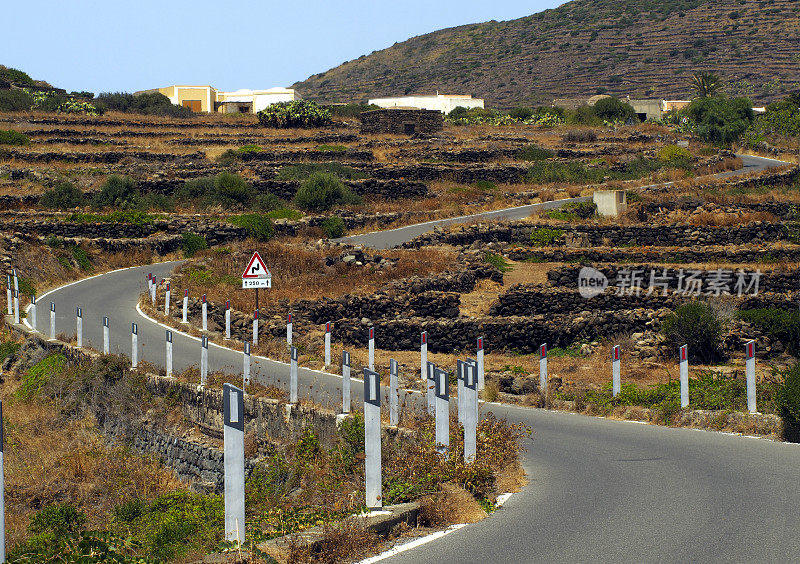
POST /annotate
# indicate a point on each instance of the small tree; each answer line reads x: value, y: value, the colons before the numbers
x: 322, y: 191
x: 613, y: 109
x: 705, y: 85
x: 63, y: 195
x: 118, y: 192
x: 788, y: 399
x: 721, y: 121
x: 697, y: 325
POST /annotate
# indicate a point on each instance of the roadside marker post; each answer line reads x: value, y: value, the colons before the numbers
x: 33, y: 312
x: 167, y: 295
x: 462, y: 400
x: 246, y: 366
x: 106, y: 335
x: 327, y: 344
x: 227, y: 319
x: 233, y: 440
x: 289, y: 329
x: 2, y: 491
x: 185, y: 318
x: 293, y: 376
x: 372, y: 348
x: 423, y: 355
x: 430, y: 393
x: 9, y: 298
x: 615, y: 361
x: 168, y: 345
x: 481, y: 379
x: 150, y: 283
x: 543, y: 369
x: 134, y: 345
x: 442, y: 410
x: 16, y: 307
x: 16, y: 279
x: 153, y: 290
x: 203, y: 360
x: 372, y: 439
x: 79, y: 326
x: 255, y: 328
x: 345, y: 382
x: 474, y: 399
x: 52, y: 320
x: 683, y: 368
x: 470, y: 412
x: 205, y: 313
x: 750, y: 371
x: 394, y: 398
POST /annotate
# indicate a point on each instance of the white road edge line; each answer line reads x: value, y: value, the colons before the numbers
x: 394, y: 551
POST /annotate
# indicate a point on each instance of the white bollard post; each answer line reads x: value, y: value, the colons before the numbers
x: 153, y: 291
x: 2, y: 491
x: 52, y: 320
x: 255, y: 328
x: 481, y: 378
x: 345, y: 382
x: 372, y: 348
x: 149, y: 283
x: 205, y: 313
x: 750, y: 372
x: 423, y: 356
x: 394, y: 398
x: 543, y: 369
x: 442, y: 410
x: 289, y: 330
x: 470, y: 412
x: 430, y: 392
x: 185, y: 318
x: 79, y: 326
x: 615, y: 360
x: 203, y: 360
x: 327, y: 344
x: 227, y: 319
x: 32, y: 315
x: 9, y: 296
x: 16, y: 279
x: 683, y: 356
x: 460, y: 390
x: 167, y: 295
x: 168, y: 351
x: 246, y: 366
x: 16, y: 307
x: 106, y: 336
x: 293, y: 376
x: 372, y: 439
x: 134, y: 345
x: 233, y: 439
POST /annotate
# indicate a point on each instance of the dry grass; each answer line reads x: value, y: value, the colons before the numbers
x: 453, y: 504
x: 719, y: 219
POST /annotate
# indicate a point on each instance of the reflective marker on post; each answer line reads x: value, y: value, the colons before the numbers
x: 205, y: 313
x: 134, y: 345
x: 246, y: 366
x: 372, y: 439
x: 461, y: 399
x: 106, y: 336
x: 345, y: 382
x: 683, y: 367
x: 167, y: 295
x: 79, y: 326
x: 470, y: 412
x: 372, y: 348
x: 442, y: 410
x: 423, y: 356
x: 228, y: 319
x: 543, y: 369
x: 481, y: 381
x: 9, y: 297
x: 430, y: 388
x: 233, y: 440
x: 33, y: 312
x: 327, y: 344
x: 750, y: 372
x: 185, y: 318
x: 289, y: 329
x: 169, y: 353
x: 293, y: 376
x: 153, y: 290
x: 203, y: 360
x: 255, y: 328
x: 394, y: 399
x: 52, y: 320
x: 615, y: 360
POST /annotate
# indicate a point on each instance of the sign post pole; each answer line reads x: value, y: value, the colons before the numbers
x: 167, y: 295
x: 227, y: 319
x: 372, y: 348
x: 543, y: 369
x: 169, y: 353
x: 327, y: 344
x: 203, y: 360
x: 750, y: 372
x: 461, y: 399
x: 394, y: 399
x: 52, y: 320
x: 683, y: 356
x: 442, y: 410
x: 372, y: 439
x: 615, y: 360
x: 255, y: 328
x: 481, y: 377
x: 79, y: 326
x: 345, y: 382
x: 423, y: 356
x: 293, y: 376
x: 205, y: 313
x: 134, y: 345
x: 246, y: 366
x: 16, y: 307
x: 289, y: 329
x: 470, y: 412
x: 430, y: 392
x: 233, y: 439
x: 256, y: 275
x: 185, y: 318
x: 106, y: 336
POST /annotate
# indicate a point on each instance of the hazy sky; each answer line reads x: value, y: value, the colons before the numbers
x: 139, y: 44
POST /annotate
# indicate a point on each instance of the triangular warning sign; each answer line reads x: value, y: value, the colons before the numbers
x: 256, y: 268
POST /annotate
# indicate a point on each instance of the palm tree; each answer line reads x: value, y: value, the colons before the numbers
x: 705, y: 84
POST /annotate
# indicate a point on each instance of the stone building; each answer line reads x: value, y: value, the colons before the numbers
x: 402, y: 122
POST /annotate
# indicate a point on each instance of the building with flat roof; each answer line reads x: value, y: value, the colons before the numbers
x: 444, y: 103
x: 208, y: 99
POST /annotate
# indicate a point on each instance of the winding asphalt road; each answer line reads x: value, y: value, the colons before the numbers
x: 600, y: 490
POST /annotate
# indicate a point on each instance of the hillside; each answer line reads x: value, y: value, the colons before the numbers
x: 623, y: 47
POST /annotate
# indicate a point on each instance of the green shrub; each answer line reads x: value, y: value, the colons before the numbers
x: 498, y: 261
x: 534, y: 153
x: 232, y: 189
x: 284, y: 213
x: 62, y: 519
x: 333, y: 227
x: 15, y: 76
x: 82, y: 258
x: 40, y: 374
x: 697, y: 325
x: 298, y: 113
x: 321, y: 191
x: 675, y: 156
x: 721, y: 121
x: 132, y: 217
x: 350, y: 110
x: 192, y: 243
x: 788, y: 401
x: 543, y: 236
x: 118, y: 192
x: 225, y: 189
x: 267, y: 202
x: 521, y: 113
x: 15, y: 101
x: 572, y: 172
x: 777, y: 324
x: 63, y: 195
x: 583, y: 115
x: 11, y: 137
x: 302, y: 171
x: 614, y: 110
x: 7, y: 349
x: 332, y: 148
x: 151, y: 103
x: 258, y: 226
x: 156, y: 201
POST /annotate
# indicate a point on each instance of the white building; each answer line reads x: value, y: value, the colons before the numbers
x: 208, y: 99
x: 445, y: 103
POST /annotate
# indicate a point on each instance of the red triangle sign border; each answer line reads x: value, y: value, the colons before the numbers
x: 256, y: 258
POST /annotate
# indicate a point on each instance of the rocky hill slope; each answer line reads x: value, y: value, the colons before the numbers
x: 623, y: 47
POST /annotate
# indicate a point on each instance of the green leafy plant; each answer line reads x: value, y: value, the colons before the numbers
x: 333, y: 227
x: 777, y: 324
x: 534, y: 153
x: 298, y: 113
x: 63, y: 195
x: 302, y: 171
x: 38, y: 375
x: 498, y: 261
x: 82, y: 258
x: 191, y: 243
x: 11, y: 137
x: 118, y: 192
x: 544, y: 236
x: 695, y: 324
x: 258, y: 226
x: 321, y: 192
x: 788, y: 400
